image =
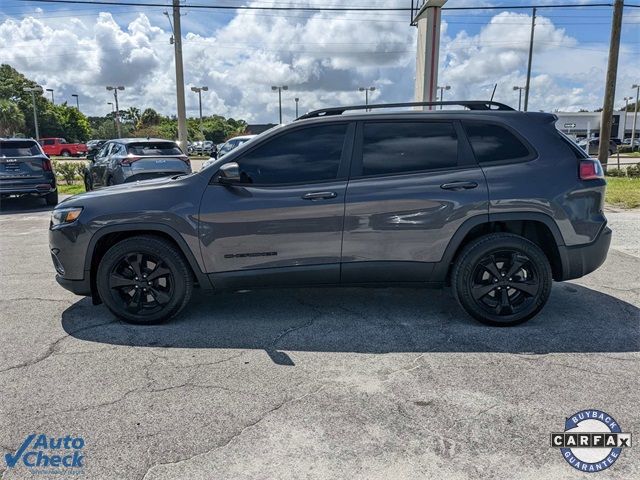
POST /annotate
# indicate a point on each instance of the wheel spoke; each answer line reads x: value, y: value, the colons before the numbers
x: 118, y: 281
x: 530, y: 288
x: 135, y: 303
x: 160, y: 296
x: 517, y: 262
x: 479, y: 291
x: 136, y: 265
x: 504, y: 303
x: 158, y: 272
x: 491, y: 267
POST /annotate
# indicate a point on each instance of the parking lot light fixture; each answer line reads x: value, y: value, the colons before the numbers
x: 279, y: 90
x: 199, y: 91
x: 442, y: 89
x: 366, y: 91
x: 77, y: 100
x: 33, y: 91
x: 520, y: 89
x: 635, y: 114
x: 51, y: 91
x: 115, y: 96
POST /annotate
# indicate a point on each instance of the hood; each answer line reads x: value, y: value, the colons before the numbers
x: 125, y: 189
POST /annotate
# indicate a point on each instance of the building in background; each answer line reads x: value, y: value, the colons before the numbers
x: 580, y: 124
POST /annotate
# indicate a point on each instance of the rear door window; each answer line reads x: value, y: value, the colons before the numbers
x: 390, y: 148
x: 494, y: 143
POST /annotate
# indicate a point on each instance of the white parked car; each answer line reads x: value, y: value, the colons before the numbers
x: 229, y: 145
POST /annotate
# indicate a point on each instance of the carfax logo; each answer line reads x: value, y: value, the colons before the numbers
x: 592, y: 440
x: 46, y: 455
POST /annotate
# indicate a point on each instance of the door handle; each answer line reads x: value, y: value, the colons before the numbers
x: 319, y: 195
x: 458, y: 185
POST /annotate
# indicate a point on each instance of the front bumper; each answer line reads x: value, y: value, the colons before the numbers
x: 79, y: 287
x: 579, y: 260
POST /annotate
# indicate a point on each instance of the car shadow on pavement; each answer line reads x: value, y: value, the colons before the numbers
x: 14, y: 205
x: 576, y: 319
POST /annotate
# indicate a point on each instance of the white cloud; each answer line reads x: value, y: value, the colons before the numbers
x: 322, y: 57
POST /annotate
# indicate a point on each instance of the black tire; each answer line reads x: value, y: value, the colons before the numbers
x: 87, y: 184
x: 119, y: 281
x: 65, y: 153
x: 502, y: 279
x: 51, y: 198
x: 110, y: 182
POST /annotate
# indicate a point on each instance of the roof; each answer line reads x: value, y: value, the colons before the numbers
x: 140, y: 140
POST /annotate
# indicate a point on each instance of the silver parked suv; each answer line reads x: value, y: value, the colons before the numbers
x: 493, y: 202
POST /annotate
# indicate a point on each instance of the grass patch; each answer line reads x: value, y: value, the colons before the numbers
x: 623, y: 192
x: 70, y: 189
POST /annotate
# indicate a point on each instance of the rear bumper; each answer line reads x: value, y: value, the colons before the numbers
x: 79, y: 287
x: 580, y: 260
x: 27, y: 189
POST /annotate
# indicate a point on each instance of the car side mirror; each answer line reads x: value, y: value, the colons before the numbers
x: 229, y: 173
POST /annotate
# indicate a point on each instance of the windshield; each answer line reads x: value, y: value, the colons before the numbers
x: 19, y: 149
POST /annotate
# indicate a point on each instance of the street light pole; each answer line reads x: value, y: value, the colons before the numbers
x: 117, y: 117
x: 77, y: 100
x: 297, y: 100
x: 442, y: 89
x: 113, y: 111
x: 366, y: 91
x: 33, y: 91
x: 635, y: 114
x: 519, y: 96
x: 279, y: 89
x: 182, y: 109
x: 199, y: 91
x: 528, y: 84
x: 51, y: 90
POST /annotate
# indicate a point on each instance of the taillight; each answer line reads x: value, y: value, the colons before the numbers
x: 129, y: 160
x: 46, y: 165
x: 590, y: 170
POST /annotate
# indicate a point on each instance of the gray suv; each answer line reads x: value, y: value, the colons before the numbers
x: 132, y: 159
x: 493, y: 202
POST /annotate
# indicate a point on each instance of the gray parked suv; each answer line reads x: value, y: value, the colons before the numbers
x: 132, y: 159
x: 494, y: 202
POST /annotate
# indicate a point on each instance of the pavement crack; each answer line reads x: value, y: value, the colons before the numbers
x: 239, y: 433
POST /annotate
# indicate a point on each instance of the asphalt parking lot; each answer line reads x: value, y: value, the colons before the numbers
x: 314, y: 383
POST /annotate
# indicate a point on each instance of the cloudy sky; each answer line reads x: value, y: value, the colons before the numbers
x: 322, y: 56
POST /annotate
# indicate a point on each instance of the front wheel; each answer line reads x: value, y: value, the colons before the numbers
x: 65, y: 153
x: 502, y: 279
x: 144, y: 280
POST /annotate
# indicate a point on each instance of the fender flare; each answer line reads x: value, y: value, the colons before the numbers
x: 149, y: 228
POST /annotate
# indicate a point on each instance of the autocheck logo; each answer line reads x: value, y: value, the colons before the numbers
x: 49, y: 455
x: 592, y: 440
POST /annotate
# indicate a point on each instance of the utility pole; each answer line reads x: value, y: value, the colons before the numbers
x: 199, y: 91
x: 117, y: 117
x: 297, y: 100
x: 182, y: 110
x: 528, y: 84
x: 610, y: 85
x: 635, y: 115
x: 33, y: 91
x: 279, y: 89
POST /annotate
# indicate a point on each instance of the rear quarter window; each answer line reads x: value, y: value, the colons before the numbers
x: 495, y: 143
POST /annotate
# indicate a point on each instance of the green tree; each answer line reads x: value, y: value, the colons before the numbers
x: 11, y: 118
x: 149, y: 117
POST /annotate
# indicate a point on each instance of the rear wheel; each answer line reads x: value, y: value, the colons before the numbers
x: 65, y: 153
x: 144, y: 280
x: 51, y: 198
x: 502, y: 279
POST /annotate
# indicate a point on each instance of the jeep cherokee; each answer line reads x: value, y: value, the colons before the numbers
x: 494, y: 202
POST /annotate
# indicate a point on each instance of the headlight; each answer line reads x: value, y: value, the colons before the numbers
x: 65, y: 215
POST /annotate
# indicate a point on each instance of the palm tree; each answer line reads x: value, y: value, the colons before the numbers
x: 11, y: 118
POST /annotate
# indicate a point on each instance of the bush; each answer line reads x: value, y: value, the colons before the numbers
x: 68, y: 171
x: 615, y: 172
x: 633, y: 171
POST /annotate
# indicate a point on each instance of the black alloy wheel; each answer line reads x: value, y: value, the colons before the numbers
x: 502, y: 279
x: 144, y: 279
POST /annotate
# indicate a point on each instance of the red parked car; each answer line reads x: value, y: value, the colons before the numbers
x: 60, y: 147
